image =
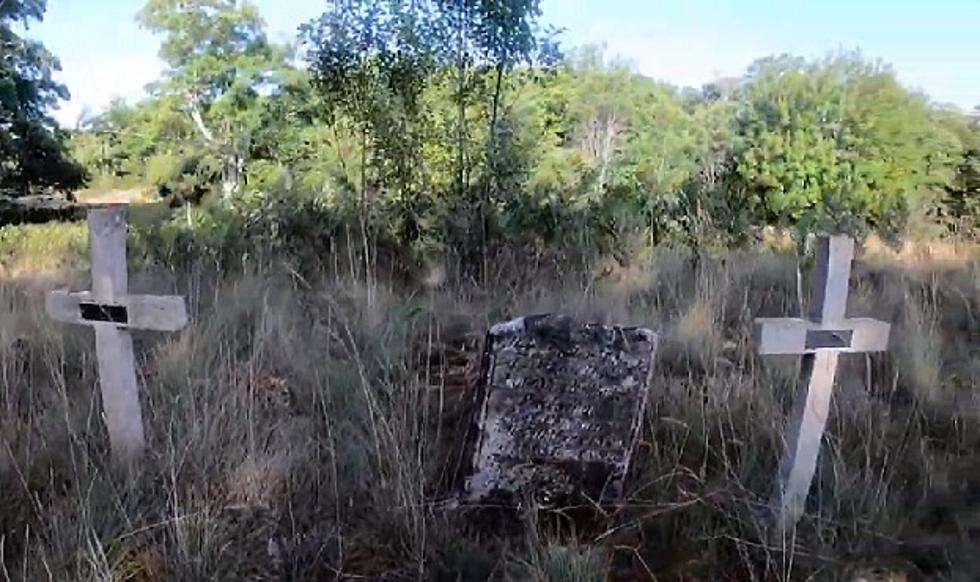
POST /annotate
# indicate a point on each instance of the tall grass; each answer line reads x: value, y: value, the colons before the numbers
x: 299, y: 431
x: 41, y: 248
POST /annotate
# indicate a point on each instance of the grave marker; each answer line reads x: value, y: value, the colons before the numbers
x: 820, y: 340
x: 112, y: 311
x: 560, y: 409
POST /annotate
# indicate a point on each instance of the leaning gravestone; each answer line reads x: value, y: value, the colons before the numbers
x: 559, y: 409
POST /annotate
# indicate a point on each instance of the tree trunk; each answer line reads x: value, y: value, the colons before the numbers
x: 461, y: 101
x: 234, y: 163
x: 199, y: 123
x: 229, y: 182
x: 609, y: 136
x: 234, y: 167
x: 364, y: 218
x: 467, y: 201
x: 494, y: 111
x: 491, y: 181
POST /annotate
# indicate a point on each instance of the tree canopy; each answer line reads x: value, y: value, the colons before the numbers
x: 32, y: 149
x: 839, y: 145
x: 221, y: 69
x: 459, y: 125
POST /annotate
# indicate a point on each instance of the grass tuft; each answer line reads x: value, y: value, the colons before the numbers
x: 308, y: 427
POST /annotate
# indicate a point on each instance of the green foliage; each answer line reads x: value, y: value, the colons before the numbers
x: 43, y: 246
x: 614, y: 158
x: 32, y: 148
x: 455, y: 125
x: 212, y: 234
x: 184, y: 179
x: 838, y: 145
x: 963, y: 200
x: 255, y: 227
x: 371, y: 63
x: 221, y: 72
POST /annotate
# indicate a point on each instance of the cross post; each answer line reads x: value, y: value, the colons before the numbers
x: 820, y: 340
x: 112, y: 311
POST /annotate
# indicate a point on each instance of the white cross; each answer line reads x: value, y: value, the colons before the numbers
x: 820, y: 339
x: 111, y: 311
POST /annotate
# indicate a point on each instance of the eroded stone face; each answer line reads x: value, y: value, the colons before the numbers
x: 560, y: 405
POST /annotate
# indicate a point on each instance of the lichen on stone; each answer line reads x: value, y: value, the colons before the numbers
x: 559, y: 409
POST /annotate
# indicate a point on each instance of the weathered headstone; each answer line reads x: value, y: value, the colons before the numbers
x: 560, y: 407
x: 111, y: 311
x: 820, y: 340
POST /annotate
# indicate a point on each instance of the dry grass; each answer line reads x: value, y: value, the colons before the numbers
x: 299, y: 432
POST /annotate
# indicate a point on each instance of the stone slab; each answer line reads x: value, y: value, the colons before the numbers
x: 559, y: 409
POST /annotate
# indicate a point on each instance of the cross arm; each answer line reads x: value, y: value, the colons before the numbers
x: 786, y: 336
x: 154, y: 312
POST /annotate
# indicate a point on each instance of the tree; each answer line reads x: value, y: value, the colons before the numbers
x: 710, y: 213
x: 220, y: 67
x: 837, y: 145
x: 152, y: 143
x: 637, y: 145
x: 372, y: 62
x: 492, y: 36
x: 963, y: 201
x: 449, y: 124
x: 32, y: 147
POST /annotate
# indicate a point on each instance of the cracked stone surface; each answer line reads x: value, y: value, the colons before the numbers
x: 559, y: 409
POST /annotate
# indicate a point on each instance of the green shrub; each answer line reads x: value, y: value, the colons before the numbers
x: 257, y: 226
x: 186, y: 178
x: 40, y: 247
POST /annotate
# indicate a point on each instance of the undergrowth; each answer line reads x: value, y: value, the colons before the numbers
x: 307, y: 425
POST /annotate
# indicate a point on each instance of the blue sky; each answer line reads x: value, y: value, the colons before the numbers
x: 933, y: 45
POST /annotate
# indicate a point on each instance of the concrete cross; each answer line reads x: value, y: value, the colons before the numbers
x: 112, y: 311
x: 820, y: 340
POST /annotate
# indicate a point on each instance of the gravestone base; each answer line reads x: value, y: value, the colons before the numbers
x: 559, y: 409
